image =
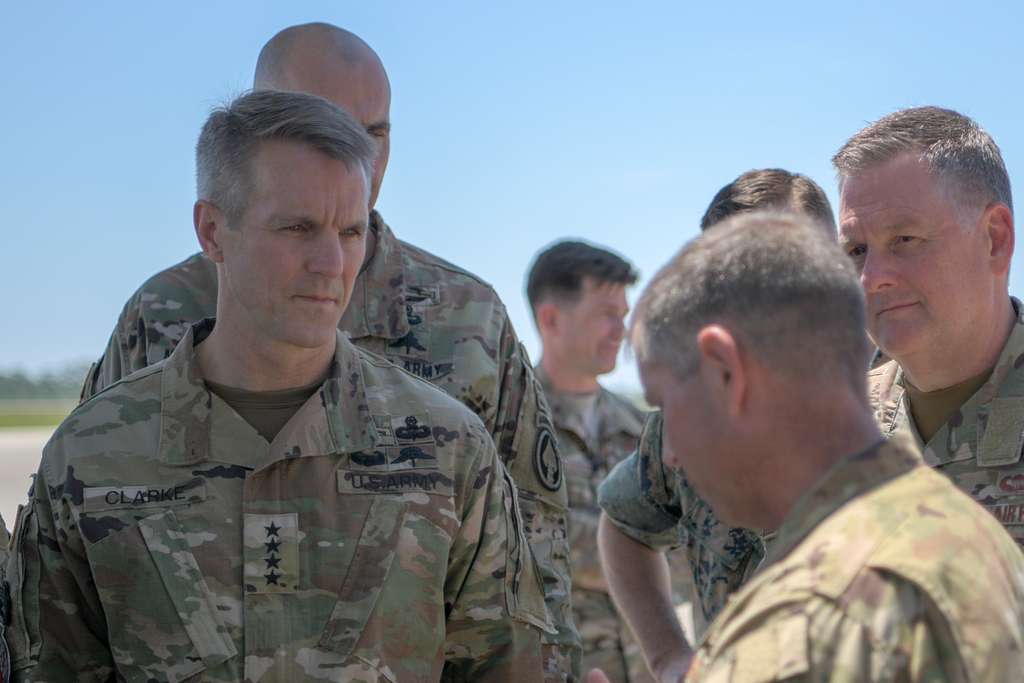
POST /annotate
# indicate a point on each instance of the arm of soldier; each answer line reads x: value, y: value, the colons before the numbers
x: 488, y: 637
x: 120, y: 358
x: 56, y: 603
x: 640, y: 585
x: 883, y: 629
x: 524, y: 437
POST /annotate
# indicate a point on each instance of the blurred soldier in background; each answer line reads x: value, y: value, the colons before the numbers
x: 650, y: 508
x: 428, y: 316
x: 577, y: 293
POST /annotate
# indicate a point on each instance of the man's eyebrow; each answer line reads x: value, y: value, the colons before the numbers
x: 379, y: 127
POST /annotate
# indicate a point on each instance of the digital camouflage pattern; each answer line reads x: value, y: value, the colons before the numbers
x: 375, y: 539
x: 980, y: 447
x: 608, y: 643
x: 655, y: 505
x: 438, y: 322
x: 884, y: 572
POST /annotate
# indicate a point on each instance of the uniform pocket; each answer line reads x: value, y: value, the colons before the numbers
x: 524, y: 592
x: 22, y: 577
x: 161, y: 615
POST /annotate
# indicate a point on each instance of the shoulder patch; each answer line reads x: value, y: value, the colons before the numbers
x: 545, y: 459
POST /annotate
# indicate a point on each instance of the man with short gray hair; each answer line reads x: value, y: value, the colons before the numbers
x: 751, y: 341
x: 270, y: 502
x: 926, y: 214
x: 428, y: 316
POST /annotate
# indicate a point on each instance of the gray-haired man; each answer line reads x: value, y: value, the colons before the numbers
x: 271, y: 503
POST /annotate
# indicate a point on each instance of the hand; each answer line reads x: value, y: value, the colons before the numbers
x: 596, y: 676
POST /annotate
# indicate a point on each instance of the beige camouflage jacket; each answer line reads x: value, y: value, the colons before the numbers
x: 438, y: 322
x: 375, y: 539
x: 655, y: 505
x: 883, y: 573
x: 980, y: 447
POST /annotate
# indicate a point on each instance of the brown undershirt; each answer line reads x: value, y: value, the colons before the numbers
x: 266, y: 411
x: 932, y: 409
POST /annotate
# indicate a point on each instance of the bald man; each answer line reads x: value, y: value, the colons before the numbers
x: 428, y: 316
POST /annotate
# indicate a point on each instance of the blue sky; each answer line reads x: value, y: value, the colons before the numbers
x: 513, y: 125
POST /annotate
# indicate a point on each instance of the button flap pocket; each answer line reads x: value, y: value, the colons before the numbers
x: 186, y: 587
x: 162, y: 621
x: 366, y: 575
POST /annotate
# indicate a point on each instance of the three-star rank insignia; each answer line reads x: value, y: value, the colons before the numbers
x: 271, y: 553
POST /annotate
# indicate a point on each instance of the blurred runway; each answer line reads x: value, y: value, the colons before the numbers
x: 20, y: 449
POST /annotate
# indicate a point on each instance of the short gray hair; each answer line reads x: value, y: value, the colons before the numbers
x: 232, y: 134
x: 786, y: 292
x: 953, y: 146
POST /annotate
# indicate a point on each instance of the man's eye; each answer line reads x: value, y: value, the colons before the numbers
x: 856, y: 251
x: 905, y: 239
x: 298, y: 227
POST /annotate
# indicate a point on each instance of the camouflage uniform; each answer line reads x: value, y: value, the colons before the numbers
x: 883, y: 572
x: 654, y: 505
x: 5, y: 659
x: 436, y: 321
x: 980, y: 447
x: 608, y: 643
x: 375, y: 539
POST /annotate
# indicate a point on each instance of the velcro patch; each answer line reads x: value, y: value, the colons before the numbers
x: 272, y: 553
x: 432, y: 482
x: 162, y: 495
x: 1004, y: 433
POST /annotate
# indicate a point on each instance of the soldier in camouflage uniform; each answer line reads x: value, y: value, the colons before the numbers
x: 752, y: 342
x: 366, y: 532
x: 650, y: 508
x: 926, y: 215
x: 428, y: 316
x: 577, y: 293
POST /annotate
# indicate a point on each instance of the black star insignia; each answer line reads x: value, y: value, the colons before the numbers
x: 272, y: 578
x: 272, y: 529
x: 273, y: 546
x: 273, y: 562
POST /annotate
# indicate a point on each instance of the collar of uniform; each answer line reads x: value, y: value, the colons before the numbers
x: 963, y: 435
x: 615, y: 418
x: 847, y: 479
x: 377, y: 306
x: 336, y: 419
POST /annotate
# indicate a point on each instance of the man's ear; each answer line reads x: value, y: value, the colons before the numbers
x: 210, y: 224
x: 724, y: 367
x: 997, y: 221
x: 547, y: 315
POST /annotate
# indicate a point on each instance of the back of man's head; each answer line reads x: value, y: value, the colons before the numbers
x: 953, y: 146
x: 770, y: 189
x: 788, y: 294
x: 558, y: 272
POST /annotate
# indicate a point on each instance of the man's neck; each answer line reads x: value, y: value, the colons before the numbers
x: 564, y: 380
x: 943, y: 366
x: 260, y: 366
x: 807, y: 451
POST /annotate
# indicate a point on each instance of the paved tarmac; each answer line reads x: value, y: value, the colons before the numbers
x: 20, y: 449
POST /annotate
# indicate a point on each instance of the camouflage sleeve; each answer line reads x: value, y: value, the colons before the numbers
x: 885, y: 630
x: 58, y: 628
x: 641, y: 496
x: 524, y: 436
x: 488, y: 637
x: 655, y: 505
x: 125, y: 352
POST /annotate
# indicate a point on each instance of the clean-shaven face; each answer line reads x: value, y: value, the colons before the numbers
x: 291, y: 260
